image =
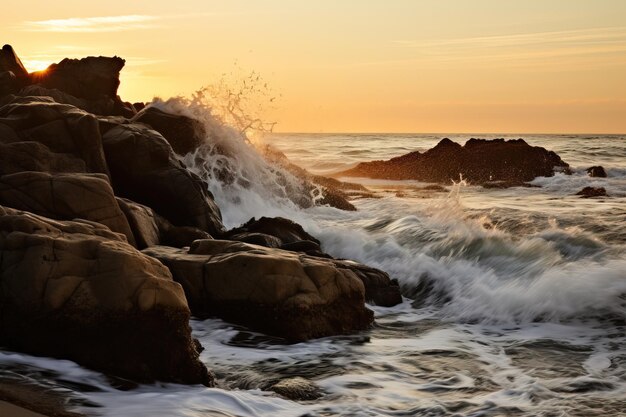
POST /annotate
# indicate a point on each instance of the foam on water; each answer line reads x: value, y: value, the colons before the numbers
x: 516, y: 299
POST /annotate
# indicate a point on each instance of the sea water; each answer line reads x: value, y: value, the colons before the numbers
x: 515, y: 299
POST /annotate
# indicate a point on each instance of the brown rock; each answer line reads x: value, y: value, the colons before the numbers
x: 183, y: 133
x: 478, y: 161
x: 284, y: 229
x: 142, y: 221
x: 65, y: 197
x: 596, y: 171
x: 282, y: 293
x: 297, y: 389
x: 90, y: 78
x: 144, y: 169
x: 379, y: 288
x: 62, y: 129
x: 9, y: 61
x: 76, y: 290
x: 591, y: 192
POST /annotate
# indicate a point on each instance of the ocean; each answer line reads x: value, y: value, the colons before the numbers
x: 515, y: 299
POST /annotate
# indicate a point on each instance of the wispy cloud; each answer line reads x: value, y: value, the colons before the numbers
x: 92, y: 24
x: 595, y: 36
x: 597, y: 47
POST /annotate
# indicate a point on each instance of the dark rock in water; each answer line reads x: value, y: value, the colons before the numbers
x: 260, y: 239
x: 144, y: 169
x: 302, y: 246
x: 183, y: 133
x: 65, y: 197
x: 596, y: 171
x: 379, y: 288
x: 64, y: 138
x: 91, y: 78
x: 281, y: 293
x: 507, y: 184
x: 9, y: 62
x: 434, y: 187
x: 479, y: 161
x: 76, y: 290
x: 297, y: 389
x: 590, y: 192
x: 284, y: 229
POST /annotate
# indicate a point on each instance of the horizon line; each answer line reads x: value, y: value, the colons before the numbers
x: 442, y: 133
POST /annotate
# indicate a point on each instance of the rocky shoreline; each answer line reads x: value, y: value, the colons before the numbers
x: 109, y: 244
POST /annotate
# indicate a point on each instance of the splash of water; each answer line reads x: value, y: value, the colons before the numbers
x: 242, y: 181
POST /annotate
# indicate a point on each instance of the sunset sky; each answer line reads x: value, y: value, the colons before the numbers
x: 356, y: 65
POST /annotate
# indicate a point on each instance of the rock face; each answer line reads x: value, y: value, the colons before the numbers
x: 61, y: 137
x: 144, y: 169
x: 285, y: 230
x: 13, y: 75
x: 65, y: 197
x: 596, y: 171
x: 478, y: 161
x: 590, y: 192
x: 76, y: 290
x: 91, y: 78
x: 282, y: 293
x: 183, y: 133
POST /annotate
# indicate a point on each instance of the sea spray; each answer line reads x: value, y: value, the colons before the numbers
x: 243, y: 183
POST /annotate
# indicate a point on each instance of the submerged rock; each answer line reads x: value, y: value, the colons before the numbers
x: 277, y: 292
x: 297, y: 389
x: 590, y: 192
x: 596, y: 171
x: 479, y: 161
x: 144, y: 169
x: 76, y: 290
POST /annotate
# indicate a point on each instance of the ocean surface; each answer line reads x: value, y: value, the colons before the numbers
x: 515, y: 298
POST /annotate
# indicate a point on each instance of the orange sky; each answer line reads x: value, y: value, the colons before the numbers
x: 360, y: 66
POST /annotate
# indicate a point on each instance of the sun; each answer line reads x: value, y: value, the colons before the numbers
x: 33, y: 65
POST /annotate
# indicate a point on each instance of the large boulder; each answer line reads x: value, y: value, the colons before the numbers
x: 282, y: 293
x: 479, y: 161
x: 183, y: 133
x: 65, y: 197
x: 76, y: 290
x: 69, y: 137
x: 144, y: 169
x: 91, y: 78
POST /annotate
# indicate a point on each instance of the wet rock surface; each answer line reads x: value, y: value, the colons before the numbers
x: 479, y: 161
x: 76, y: 290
